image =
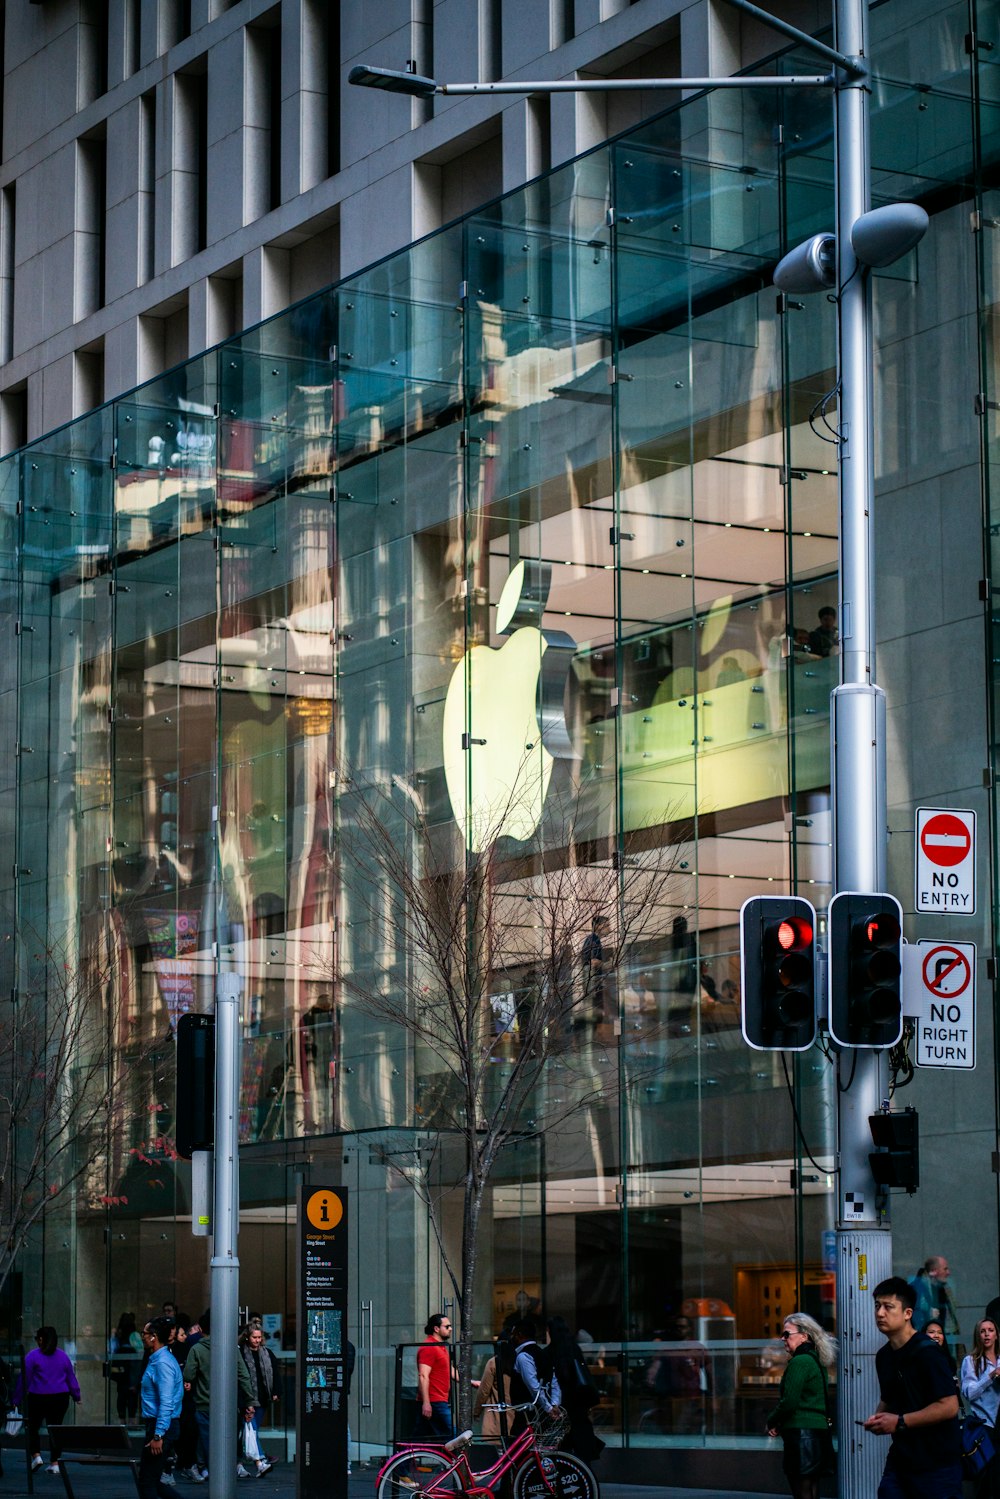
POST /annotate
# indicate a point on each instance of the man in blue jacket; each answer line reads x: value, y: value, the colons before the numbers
x: 160, y: 1395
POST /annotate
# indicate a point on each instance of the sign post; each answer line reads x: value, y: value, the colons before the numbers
x: 321, y: 1384
x: 946, y: 861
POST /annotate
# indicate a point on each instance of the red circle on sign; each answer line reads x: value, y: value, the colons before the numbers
x: 945, y: 840
x: 946, y: 960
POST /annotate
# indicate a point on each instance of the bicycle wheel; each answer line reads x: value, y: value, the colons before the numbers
x: 562, y: 1476
x: 411, y: 1472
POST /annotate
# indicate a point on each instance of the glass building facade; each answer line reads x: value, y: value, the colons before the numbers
x: 274, y: 575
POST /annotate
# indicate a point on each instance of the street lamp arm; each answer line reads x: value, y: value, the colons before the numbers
x: 421, y: 87
x: 617, y: 85
x: 849, y: 64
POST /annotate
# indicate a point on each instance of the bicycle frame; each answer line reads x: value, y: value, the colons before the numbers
x: 478, y: 1485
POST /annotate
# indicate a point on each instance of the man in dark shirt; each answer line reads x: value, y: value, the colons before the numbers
x: 919, y: 1406
x: 595, y: 962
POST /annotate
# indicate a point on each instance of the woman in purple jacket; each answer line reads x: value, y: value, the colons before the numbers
x: 45, y: 1387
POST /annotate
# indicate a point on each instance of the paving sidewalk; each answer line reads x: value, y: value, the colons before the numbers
x: 116, y: 1483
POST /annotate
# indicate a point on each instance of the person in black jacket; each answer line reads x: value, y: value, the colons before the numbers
x: 263, y: 1373
x: 578, y: 1393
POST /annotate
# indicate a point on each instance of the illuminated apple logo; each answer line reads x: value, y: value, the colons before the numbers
x: 496, y: 765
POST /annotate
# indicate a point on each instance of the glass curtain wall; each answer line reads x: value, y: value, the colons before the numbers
x: 516, y: 553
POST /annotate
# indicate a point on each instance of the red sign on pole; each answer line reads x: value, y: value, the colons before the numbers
x: 946, y: 861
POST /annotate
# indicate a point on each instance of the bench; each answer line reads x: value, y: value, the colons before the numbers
x: 94, y: 1446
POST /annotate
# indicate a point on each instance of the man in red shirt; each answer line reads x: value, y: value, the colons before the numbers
x: 435, y: 1373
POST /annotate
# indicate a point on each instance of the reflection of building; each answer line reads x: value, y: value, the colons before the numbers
x: 617, y: 400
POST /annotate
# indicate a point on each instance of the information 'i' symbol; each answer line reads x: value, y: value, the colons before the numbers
x: 324, y: 1209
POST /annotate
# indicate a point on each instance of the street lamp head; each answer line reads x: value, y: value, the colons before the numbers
x: 885, y: 235
x: 810, y: 267
x: 395, y: 82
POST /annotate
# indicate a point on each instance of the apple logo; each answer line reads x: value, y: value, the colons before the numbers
x: 496, y: 765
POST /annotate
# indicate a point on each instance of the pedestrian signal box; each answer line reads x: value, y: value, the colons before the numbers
x: 777, y: 972
x: 895, y: 1162
x: 194, y: 1126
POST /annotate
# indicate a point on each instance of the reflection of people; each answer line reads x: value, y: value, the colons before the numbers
x: 125, y: 1365
x: 434, y: 1375
x: 924, y: 1461
x: 800, y: 1417
x: 686, y: 1377
x: 825, y: 639
x: 319, y: 1054
x: 595, y: 961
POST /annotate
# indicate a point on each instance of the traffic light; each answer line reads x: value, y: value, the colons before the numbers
x: 865, y: 935
x: 895, y: 1162
x: 777, y: 970
x: 195, y: 1118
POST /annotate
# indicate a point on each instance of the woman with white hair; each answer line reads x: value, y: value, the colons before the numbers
x: 800, y: 1417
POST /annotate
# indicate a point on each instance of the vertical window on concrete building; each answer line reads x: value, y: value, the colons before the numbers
x: 91, y: 207
x: 13, y: 418
x: 147, y: 184
x: 264, y: 114
x: 93, y: 50
x: 562, y: 21
x: 323, y: 20
x: 8, y: 226
x: 175, y: 22
x: 132, y: 22
x: 490, y: 39
x: 191, y: 161
x: 89, y: 377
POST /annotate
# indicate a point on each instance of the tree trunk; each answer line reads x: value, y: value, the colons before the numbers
x: 471, y: 1214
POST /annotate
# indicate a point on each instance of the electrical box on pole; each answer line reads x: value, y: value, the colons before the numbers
x: 865, y: 935
x: 778, y: 972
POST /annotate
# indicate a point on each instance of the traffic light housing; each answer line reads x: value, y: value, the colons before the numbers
x: 777, y: 972
x: 895, y: 1162
x: 865, y: 934
x: 194, y: 1126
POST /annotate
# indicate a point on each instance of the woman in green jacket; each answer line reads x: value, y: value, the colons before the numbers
x: 800, y: 1417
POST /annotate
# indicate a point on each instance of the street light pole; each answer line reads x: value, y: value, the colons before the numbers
x: 858, y: 771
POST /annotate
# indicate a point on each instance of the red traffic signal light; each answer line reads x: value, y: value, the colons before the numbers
x: 777, y: 966
x: 865, y: 937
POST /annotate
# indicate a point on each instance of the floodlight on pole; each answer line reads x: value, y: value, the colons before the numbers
x: 418, y: 86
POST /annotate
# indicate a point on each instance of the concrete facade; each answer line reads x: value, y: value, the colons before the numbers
x: 176, y: 170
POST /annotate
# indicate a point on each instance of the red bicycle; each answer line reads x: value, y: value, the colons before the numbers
x: 537, y: 1470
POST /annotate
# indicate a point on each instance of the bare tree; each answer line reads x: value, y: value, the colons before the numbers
x: 63, y: 1094
x: 484, y: 960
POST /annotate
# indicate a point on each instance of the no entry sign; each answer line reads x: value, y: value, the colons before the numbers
x: 946, y: 861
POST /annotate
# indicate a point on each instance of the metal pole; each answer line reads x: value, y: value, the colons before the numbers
x: 225, y: 1279
x: 864, y: 1244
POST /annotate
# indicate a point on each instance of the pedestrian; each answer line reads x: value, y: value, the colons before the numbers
x: 494, y: 1389
x: 979, y: 1381
x: 263, y: 1373
x: 533, y: 1379
x: 800, y: 1417
x: 434, y: 1376
x: 929, y: 1290
x: 197, y: 1379
x: 935, y: 1331
x: 44, y: 1391
x: 161, y: 1394
x: 579, y: 1396
x: 919, y: 1406
x: 186, y: 1447
x: 124, y: 1365
x: 350, y: 1359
